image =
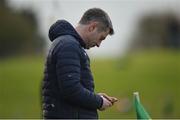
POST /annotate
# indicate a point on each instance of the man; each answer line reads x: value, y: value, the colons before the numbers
x: 68, y: 85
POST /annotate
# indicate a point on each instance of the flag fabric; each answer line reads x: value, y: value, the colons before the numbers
x: 140, y: 110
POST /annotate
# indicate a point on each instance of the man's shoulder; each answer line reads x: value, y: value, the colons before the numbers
x: 66, y: 42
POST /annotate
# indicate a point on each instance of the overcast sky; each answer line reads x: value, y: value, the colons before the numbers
x: 123, y: 13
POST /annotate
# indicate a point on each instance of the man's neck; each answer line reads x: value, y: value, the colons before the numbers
x: 80, y: 30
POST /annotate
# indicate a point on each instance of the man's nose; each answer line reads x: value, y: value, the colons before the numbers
x: 98, y: 44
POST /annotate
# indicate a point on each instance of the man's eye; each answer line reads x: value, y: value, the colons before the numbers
x: 102, y: 38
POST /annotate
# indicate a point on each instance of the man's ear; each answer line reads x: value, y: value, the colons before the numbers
x: 92, y: 26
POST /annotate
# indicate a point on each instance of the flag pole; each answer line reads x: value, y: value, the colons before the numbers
x: 140, y: 110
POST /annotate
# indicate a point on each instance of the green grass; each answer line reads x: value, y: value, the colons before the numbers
x: 20, y: 87
x: 154, y: 74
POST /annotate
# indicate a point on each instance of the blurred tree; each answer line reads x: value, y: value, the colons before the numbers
x: 18, y: 32
x: 173, y: 30
x: 157, y: 31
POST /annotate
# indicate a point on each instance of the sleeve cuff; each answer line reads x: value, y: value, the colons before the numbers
x: 100, y: 101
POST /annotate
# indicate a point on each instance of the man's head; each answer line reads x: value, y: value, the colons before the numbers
x: 94, y: 26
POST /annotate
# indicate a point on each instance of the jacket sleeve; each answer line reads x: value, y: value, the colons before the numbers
x: 68, y: 69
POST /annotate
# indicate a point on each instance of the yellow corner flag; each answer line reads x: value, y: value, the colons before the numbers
x: 140, y: 110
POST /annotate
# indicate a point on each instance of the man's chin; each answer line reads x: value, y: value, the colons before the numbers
x: 93, y: 46
x: 88, y: 47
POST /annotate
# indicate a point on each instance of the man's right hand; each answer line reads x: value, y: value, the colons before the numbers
x: 106, y: 103
x: 111, y: 99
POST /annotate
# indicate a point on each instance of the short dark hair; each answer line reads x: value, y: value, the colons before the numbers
x: 97, y: 14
